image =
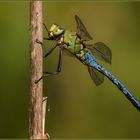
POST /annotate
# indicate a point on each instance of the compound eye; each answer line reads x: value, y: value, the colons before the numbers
x: 59, y: 30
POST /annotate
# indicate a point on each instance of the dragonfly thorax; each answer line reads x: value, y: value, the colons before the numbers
x: 55, y: 30
x: 72, y: 42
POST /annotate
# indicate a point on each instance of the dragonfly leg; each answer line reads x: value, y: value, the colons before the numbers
x: 58, y: 69
x: 59, y: 65
x: 45, y: 27
x: 46, y: 74
x: 50, y: 51
x: 46, y: 38
x: 39, y: 42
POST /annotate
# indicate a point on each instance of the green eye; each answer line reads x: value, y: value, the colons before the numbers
x: 59, y: 30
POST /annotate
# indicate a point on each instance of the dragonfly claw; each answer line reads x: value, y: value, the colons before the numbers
x: 36, y: 81
x: 39, y: 42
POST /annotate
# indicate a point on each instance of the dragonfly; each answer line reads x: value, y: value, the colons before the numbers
x: 74, y: 43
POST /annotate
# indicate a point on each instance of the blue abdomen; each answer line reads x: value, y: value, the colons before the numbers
x: 89, y: 59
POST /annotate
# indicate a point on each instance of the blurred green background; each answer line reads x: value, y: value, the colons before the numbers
x: 77, y: 107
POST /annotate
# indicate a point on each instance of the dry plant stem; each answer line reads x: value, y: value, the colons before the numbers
x: 36, y: 71
x: 44, y: 113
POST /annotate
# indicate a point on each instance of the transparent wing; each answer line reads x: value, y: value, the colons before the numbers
x: 100, y: 51
x: 85, y: 36
x: 96, y: 76
x: 66, y: 52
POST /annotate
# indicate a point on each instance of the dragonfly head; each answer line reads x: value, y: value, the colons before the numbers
x: 55, y: 30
